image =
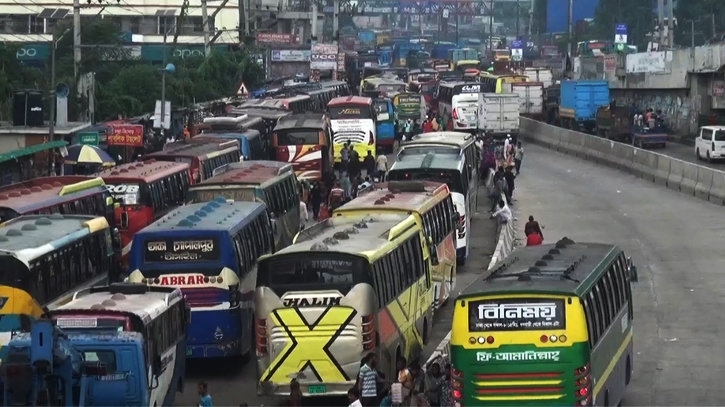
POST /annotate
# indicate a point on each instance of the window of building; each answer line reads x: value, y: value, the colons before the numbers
x: 165, y: 24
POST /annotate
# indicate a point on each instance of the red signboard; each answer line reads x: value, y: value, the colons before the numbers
x: 274, y: 38
x: 126, y: 135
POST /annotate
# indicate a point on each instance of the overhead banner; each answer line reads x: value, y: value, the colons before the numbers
x: 126, y: 135
x: 324, y: 57
x: 290, y: 56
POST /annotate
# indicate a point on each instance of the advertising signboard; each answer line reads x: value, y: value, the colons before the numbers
x: 274, y: 38
x: 284, y: 55
x: 126, y: 135
x: 324, y: 57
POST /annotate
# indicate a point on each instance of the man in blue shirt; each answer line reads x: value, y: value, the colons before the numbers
x: 204, y: 397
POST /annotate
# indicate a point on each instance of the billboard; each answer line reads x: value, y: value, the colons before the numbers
x: 324, y: 57
x: 557, y: 13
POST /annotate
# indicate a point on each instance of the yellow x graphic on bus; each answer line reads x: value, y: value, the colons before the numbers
x: 309, y: 345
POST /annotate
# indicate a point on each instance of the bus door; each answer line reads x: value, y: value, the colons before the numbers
x: 385, y: 122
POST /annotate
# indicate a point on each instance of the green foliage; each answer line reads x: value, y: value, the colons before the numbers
x: 636, y: 14
x: 705, y: 13
x: 125, y: 85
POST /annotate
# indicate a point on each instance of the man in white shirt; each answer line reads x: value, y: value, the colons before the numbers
x: 381, y: 165
x: 304, y: 216
x: 503, y: 214
x: 353, y: 396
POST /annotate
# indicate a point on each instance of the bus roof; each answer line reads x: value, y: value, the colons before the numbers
x: 350, y: 100
x: 263, y: 112
x: 301, y: 121
x: 409, y: 196
x: 196, y: 150
x: 427, y: 161
x: 562, y: 268
x: 364, y: 235
x: 443, y: 137
x: 247, y: 172
x: 331, y: 84
x: 146, y: 302
x: 217, y: 215
x: 264, y: 103
x: 146, y: 171
x: 30, y: 236
x: 37, y: 193
x: 294, y: 98
x: 384, y: 81
x: 216, y: 142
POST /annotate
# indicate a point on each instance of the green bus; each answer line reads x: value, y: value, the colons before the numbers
x: 549, y: 325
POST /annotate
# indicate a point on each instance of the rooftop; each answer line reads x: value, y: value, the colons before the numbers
x: 563, y: 268
x: 248, y: 172
x: 401, y: 195
x: 32, y: 232
x: 149, y: 170
x: 347, y: 235
x: 217, y: 215
x: 426, y: 161
x: 358, y: 100
x: 39, y: 190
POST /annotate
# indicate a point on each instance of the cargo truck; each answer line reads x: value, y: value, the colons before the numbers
x: 498, y: 114
x: 579, y: 102
x: 531, y: 98
x: 614, y: 122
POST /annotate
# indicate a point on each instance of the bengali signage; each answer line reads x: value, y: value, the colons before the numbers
x: 516, y: 315
x: 407, y: 100
x: 718, y: 88
x: 647, y: 62
x: 283, y: 55
x: 90, y: 138
x: 549, y: 356
x: 341, y: 62
x: 274, y: 38
x: 610, y: 62
x: 157, y: 251
x: 126, y: 135
x: 324, y: 57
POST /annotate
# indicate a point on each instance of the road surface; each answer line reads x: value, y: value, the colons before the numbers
x: 676, y: 242
x: 231, y: 385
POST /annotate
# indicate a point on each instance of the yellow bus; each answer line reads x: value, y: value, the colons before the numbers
x: 495, y: 83
x: 348, y: 287
x: 549, y: 325
x: 432, y: 206
x: 44, y: 260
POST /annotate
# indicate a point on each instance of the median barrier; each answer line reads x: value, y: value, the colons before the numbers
x: 689, y: 178
x: 564, y: 142
x: 674, y: 180
x: 596, y: 147
x: 622, y: 157
x: 579, y: 145
x: 644, y: 164
x: 717, y: 192
x: 663, y: 169
x: 704, y: 182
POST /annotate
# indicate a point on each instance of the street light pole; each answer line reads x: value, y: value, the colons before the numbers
x: 54, y: 99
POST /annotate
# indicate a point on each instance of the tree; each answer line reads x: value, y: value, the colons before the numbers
x: 709, y: 18
x: 15, y: 76
x: 636, y: 14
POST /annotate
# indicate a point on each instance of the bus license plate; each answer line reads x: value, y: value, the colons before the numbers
x: 319, y: 389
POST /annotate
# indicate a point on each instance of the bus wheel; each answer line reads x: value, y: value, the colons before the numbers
x: 628, y: 373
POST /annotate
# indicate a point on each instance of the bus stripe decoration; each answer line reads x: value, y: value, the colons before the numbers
x: 399, y: 312
x: 315, y: 353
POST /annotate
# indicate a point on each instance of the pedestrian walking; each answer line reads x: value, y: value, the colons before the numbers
x: 510, y: 183
x: 381, y: 164
x: 316, y: 200
x: 344, y: 157
x: 534, y: 239
x: 304, y: 215
x: 204, y: 397
x: 434, y: 385
x: 532, y: 226
x: 368, y: 382
x: 369, y: 164
x: 518, y: 156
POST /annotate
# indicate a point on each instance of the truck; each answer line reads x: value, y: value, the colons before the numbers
x: 543, y: 75
x: 579, y: 101
x: 401, y: 51
x: 531, y: 98
x: 614, y: 122
x: 367, y: 40
x: 498, y: 114
x: 551, y: 103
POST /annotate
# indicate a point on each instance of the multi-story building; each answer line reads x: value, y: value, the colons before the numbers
x: 142, y: 22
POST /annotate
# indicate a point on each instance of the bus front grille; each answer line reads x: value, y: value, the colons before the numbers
x: 512, y: 387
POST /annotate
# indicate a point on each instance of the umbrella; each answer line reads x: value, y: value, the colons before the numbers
x: 85, y: 154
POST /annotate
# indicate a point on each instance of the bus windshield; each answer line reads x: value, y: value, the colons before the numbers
x: 351, y: 112
x: 311, y: 271
x: 450, y: 177
x: 298, y: 137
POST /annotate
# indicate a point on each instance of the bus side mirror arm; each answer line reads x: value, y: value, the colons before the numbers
x: 632, y: 271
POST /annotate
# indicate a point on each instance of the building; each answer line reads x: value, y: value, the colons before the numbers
x: 142, y: 23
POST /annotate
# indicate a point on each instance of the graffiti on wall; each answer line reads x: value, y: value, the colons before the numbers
x: 680, y: 111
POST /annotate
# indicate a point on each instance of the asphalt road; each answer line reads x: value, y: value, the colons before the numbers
x: 676, y: 242
x: 231, y: 385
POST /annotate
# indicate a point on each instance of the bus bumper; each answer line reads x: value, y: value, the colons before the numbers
x: 270, y: 389
x: 216, y: 350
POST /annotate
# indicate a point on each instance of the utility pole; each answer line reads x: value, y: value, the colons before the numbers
x: 571, y: 28
x: 517, y: 19
x: 661, y: 22
x: 670, y: 24
x: 54, y: 100
x: 76, y: 40
x: 490, y: 27
x: 714, y: 28
x: 205, y: 21
x: 336, y: 21
x: 243, y: 21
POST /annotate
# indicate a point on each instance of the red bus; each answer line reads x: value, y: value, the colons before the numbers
x: 67, y: 195
x: 203, y: 156
x: 145, y: 191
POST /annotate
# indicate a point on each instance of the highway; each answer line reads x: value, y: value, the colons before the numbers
x: 231, y: 384
x: 676, y: 242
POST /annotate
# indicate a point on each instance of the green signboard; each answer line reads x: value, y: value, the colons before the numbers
x: 31, y: 52
x: 155, y: 52
x: 89, y: 138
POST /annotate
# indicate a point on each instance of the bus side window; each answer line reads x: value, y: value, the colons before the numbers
x: 612, y: 295
x: 591, y: 323
x: 598, y: 311
x: 407, y: 257
x: 376, y: 285
x: 240, y: 256
x: 388, y: 275
x: 619, y: 281
x: 605, y: 298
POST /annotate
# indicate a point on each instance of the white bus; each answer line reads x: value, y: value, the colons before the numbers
x: 352, y: 119
x: 458, y: 101
x: 160, y: 314
x: 448, y: 164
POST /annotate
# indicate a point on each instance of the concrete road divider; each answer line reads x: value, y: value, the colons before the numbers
x: 695, y: 180
x: 704, y: 183
x: 663, y: 170
x: 717, y: 192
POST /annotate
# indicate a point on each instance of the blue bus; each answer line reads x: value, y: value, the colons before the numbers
x: 208, y: 250
x: 250, y: 142
x: 385, y: 124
